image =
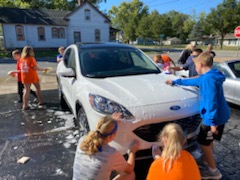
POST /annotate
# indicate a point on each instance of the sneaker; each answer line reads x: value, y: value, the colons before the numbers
x: 201, y: 164
x: 207, y: 174
x: 156, y: 152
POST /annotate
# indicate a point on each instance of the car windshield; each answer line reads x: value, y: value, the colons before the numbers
x: 235, y: 67
x: 109, y: 62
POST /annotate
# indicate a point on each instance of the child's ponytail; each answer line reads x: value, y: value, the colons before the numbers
x: 94, y: 141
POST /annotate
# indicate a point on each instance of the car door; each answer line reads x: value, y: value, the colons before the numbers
x: 237, y: 92
x: 68, y: 81
x: 229, y: 84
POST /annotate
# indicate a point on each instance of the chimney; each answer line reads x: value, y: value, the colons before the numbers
x: 80, y: 2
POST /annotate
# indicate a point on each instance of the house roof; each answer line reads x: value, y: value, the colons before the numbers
x: 229, y: 36
x: 32, y: 16
x: 82, y: 5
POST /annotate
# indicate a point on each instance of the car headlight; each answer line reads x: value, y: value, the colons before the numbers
x: 106, y: 106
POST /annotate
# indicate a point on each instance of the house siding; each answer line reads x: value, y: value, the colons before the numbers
x: 31, y: 37
x: 77, y: 23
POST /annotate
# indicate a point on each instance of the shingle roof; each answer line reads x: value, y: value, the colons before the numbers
x: 32, y: 16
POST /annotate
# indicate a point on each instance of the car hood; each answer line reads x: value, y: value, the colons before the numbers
x: 139, y: 90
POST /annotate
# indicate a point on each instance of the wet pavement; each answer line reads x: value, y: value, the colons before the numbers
x: 48, y: 136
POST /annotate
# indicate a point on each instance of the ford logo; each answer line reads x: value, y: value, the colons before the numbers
x: 175, y: 108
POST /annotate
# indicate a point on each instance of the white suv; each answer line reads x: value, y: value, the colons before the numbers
x: 95, y: 80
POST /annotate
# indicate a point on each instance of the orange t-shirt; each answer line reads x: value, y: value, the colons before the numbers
x: 167, y: 60
x: 184, y: 168
x: 28, y: 73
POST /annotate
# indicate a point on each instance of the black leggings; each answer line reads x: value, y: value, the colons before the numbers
x: 20, y: 90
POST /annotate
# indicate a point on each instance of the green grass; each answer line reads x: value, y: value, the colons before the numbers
x: 38, y: 53
x: 53, y: 52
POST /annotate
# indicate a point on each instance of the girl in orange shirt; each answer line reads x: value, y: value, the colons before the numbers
x: 28, y: 66
x: 174, y: 163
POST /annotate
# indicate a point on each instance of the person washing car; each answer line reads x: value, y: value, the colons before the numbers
x: 16, y: 54
x: 214, y: 109
x: 173, y: 162
x: 96, y: 159
x: 189, y: 65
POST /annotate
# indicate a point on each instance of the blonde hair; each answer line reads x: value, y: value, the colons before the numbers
x: 94, y: 140
x: 210, y: 47
x: 27, y: 52
x: 173, y: 139
x: 17, y: 51
x: 205, y: 59
x: 61, y: 48
x: 190, y: 47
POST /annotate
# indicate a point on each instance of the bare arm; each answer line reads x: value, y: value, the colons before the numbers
x: 131, y: 157
x: 40, y: 69
x: 177, y: 68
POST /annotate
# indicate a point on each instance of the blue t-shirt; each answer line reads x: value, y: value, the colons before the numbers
x: 59, y: 56
x: 213, y: 107
x: 189, y: 65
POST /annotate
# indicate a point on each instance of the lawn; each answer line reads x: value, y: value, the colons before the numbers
x: 38, y: 53
x: 146, y: 49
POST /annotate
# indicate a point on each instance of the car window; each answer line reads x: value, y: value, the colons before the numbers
x: 109, y: 62
x: 72, y: 60
x: 235, y: 67
x: 66, y: 57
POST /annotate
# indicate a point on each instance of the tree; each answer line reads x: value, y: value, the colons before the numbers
x: 223, y: 19
x: 144, y: 29
x: 127, y: 17
x: 177, y: 22
x: 11, y: 3
x: 49, y: 4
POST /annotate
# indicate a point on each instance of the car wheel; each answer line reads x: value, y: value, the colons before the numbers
x: 62, y: 102
x: 82, y: 122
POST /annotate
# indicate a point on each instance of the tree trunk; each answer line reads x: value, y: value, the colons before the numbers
x: 221, y: 41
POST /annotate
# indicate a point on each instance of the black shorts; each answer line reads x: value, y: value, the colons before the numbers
x: 206, y: 137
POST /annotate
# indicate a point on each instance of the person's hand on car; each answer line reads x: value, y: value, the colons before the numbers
x: 169, y: 82
x: 117, y: 116
x: 134, y: 147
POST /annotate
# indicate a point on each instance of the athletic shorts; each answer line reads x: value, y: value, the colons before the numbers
x: 206, y: 137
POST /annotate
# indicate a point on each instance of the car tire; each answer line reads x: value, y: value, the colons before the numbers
x: 82, y: 122
x: 62, y: 102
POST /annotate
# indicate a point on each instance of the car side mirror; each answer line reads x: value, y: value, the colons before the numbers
x: 67, y: 72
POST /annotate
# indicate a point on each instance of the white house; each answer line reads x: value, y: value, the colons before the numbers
x: 44, y: 28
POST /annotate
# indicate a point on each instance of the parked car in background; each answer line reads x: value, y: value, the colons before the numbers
x: 231, y: 86
x: 95, y: 80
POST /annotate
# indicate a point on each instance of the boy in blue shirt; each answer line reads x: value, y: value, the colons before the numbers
x: 214, y: 109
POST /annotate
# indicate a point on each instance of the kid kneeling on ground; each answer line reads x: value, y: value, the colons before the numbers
x: 214, y: 109
x: 173, y: 162
x: 96, y: 159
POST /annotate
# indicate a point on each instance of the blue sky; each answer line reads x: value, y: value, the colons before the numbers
x: 163, y: 6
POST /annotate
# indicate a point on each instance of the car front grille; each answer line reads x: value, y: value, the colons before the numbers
x: 151, y: 132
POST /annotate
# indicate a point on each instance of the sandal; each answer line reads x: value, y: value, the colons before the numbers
x: 42, y: 105
x: 26, y: 108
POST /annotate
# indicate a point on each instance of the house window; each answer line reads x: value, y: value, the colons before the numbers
x: 61, y: 33
x: 97, y: 35
x: 77, y: 36
x: 41, y: 34
x: 58, y: 33
x: 20, y: 33
x: 87, y: 15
